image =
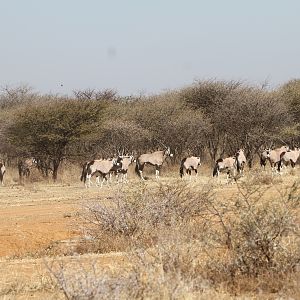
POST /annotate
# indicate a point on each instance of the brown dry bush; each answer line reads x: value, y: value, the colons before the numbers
x: 259, y: 236
x: 261, y: 178
x: 182, y: 242
x: 167, y: 270
x: 130, y: 218
x: 91, y: 282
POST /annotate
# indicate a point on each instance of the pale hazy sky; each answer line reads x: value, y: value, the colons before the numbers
x: 144, y: 46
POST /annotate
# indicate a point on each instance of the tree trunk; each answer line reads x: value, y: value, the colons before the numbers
x: 56, y: 163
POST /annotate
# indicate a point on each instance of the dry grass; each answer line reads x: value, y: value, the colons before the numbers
x: 182, y: 239
x: 171, y: 235
x: 134, y: 215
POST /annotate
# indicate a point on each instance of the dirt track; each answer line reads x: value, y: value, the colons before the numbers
x: 34, y: 216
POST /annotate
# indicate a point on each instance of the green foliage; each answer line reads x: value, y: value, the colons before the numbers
x: 241, y: 116
x: 291, y: 94
x: 216, y: 117
x: 47, y: 130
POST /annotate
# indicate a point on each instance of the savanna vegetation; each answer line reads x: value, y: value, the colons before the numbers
x: 209, y: 118
x: 171, y: 239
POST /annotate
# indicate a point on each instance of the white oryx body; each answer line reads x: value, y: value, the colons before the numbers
x: 124, y: 163
x: 100, y: 166
x: 156, y: 159
x: 240, y: 161
x: 2, y: 172
x: 289, y: 157
x: 275, y: 156
x: 228, y: 165
x: 189, y: 164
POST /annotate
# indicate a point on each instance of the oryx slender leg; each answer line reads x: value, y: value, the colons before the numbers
x: 157, y: 174
x: 104, y: 178
x: 183, y: 174
x: 141, y: 168
x: 141, y: 174
x: 101, y: 185
x: 118, y: 179
x: 218, y: 176
x: 157, y: 169
x: 125, y: 177
x: 98, y: 180
x: 88, y: 181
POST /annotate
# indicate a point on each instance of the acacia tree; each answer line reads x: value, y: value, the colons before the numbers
x: 11, y: 97
x: 252, y: 118
x: 207, y: 96
x: 49, y: 130
x: 290, y: 92
x: 240, y: 116
x: 170, y: 122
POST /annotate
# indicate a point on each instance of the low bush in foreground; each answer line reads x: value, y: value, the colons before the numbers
x: 183, y: 241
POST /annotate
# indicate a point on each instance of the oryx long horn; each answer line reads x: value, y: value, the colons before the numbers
x: 161, y: 143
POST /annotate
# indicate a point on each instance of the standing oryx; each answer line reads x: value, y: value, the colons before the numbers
x: 2, y: 171
x: 264, y: 157
x: 122, y: 166
x: 188, y: 164
x: 240, y: 161
x: 289, y: 157
x: 227, y: 165
x: 156, y: 159
x: 230, y: 165
x: 275, y: 156
x: 101, y: 167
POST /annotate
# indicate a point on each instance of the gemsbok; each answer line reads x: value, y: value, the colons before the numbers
x: 228, y: 165
x: 2, y: 172
x: 156, y: 159
x: 289, y: 157
x: 240, y: 161
x: 102, y: 167
x: 189, y: 164
x: 264, y: 157
x: 275, y: 157
x: 122, y: 166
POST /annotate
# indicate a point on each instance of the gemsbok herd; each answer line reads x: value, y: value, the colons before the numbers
x: 233, y: 166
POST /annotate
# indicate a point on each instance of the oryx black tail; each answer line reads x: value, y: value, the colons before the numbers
x: 181, y: 173
x: 84, y: 172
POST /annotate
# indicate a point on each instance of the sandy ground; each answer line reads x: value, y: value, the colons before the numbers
x: 35, y: 216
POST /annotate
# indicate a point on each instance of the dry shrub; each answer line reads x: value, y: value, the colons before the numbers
x: 130, y: 217
x: 259, y: 235
x: 171, y: 269
x: 168, y: 270
x: 181, y: 243
x: 81, y: 281
x: 261, y: 178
